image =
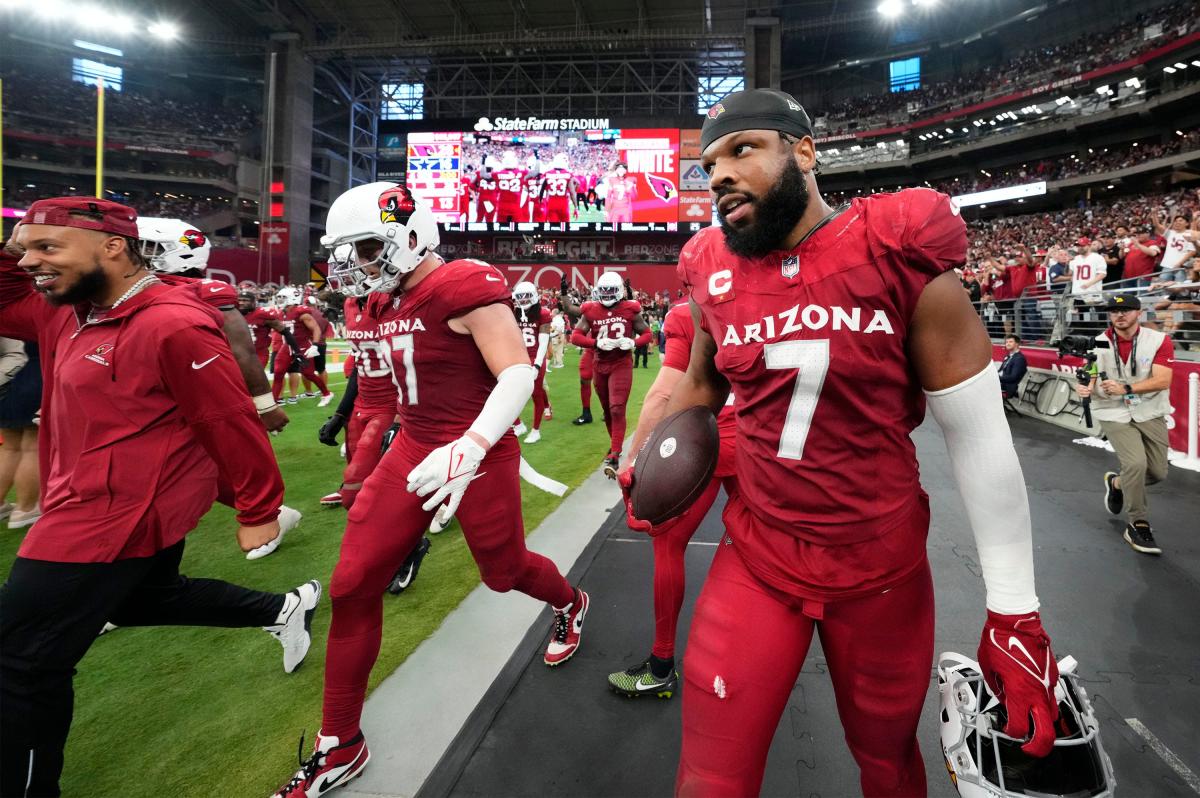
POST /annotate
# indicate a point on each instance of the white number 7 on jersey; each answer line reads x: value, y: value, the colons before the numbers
x: 811, y: 358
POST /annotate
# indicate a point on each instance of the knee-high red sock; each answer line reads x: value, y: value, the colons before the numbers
x: 585, y: 394
x: 353, y: 646
x: 539, y: 405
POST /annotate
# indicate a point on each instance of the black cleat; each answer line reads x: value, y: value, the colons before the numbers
x: 584, y: 418
x: 1114, y: 498
x: 1139, y: 536
x: 406, y: 574
x: 611, y: 463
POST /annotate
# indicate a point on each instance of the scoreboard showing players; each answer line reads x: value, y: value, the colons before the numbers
x: 557, y: 180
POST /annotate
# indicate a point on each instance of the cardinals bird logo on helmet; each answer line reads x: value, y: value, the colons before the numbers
x: 396, y: 204
x: 192, y: 239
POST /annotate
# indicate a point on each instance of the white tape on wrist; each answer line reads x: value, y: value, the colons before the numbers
x: 265, y: 403
x: 992, y: 487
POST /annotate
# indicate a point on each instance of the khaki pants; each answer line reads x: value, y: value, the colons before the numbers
x: 1141, y: 447
x: 556, y: 350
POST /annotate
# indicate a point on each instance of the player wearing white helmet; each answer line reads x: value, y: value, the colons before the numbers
x: 487, y: 191
x: 984, y: 762
x: 559, y: 190
x: 510, y: 180
x: 608, y: 324
x: 534, y: 320
x: 299, y: 321
x: 179, y: 253
x: 463, y: 374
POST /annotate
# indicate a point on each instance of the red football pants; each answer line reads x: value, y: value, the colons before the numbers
x: 587, y: 363
x: 540, y: 399
x: 283, y: 359
x: 264, y: 357
x: 670, y: 551
x: 364, y: 439
x: 746, y: 646
x: 382, y: 528
x: 612, y: 389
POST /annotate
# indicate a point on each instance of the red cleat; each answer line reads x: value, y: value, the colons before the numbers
x: 331, y: 765
x: 568, y: 627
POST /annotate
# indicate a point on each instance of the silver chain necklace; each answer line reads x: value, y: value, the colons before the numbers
x: 133, y: 289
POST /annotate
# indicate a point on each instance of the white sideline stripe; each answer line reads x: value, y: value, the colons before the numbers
x: 1166, y: 754
x: 413, y: 716
x: 648, y: 539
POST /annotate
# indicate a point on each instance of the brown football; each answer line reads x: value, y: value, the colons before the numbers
x: 675, y: 465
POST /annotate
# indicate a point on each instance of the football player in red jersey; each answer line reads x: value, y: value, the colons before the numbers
x: 557, y: 190
x: 262, y: 321
x: 487, y: 191
x: 534, y: 320
x: 510, y: 182
x: 463, y: 375
x: 657, y: 675
x: 586, y: 361
x: 466, y: 187
x: 179, y: 252
x: 607, y: 326
x: 535, y: 206
x: 298, y: 319
x: 795, y: 305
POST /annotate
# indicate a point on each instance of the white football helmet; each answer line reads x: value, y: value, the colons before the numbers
x: 172, y: 245
x: 986, y: 763
x: 609, y: 290
x: 525, y: 295
x: 390, y: 232
x: 559, y: 161
x: 491, y: 163
x: 509, y: 161
x: 288, y: 296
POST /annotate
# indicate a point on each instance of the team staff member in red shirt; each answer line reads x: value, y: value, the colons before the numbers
x: 793, y: 301
x: 143, y: 407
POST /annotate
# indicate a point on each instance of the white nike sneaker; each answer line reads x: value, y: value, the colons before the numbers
x: 520, y: 429
x: 326, y: 399
x: 288, y: 519
x: 440, y: 521
x: 292, y: 626
x: 534, y: 436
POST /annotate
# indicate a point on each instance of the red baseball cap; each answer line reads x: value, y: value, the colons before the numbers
x: 87, y: 213
x: 1084, y: 241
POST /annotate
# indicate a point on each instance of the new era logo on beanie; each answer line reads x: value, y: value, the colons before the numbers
x: 755, y: 109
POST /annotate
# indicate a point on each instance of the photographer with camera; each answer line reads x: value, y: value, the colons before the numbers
x: 1130, y: 400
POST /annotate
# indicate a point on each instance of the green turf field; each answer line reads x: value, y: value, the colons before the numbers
x: 209, y: 712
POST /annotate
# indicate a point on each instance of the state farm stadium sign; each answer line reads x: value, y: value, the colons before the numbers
x: 503, y: 123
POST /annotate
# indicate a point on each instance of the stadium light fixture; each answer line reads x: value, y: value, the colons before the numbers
x: 1169, y: 70
x: 1133, y: 83
x: 163, y: 30
x: 949, y: 130
x: 1180, y: 65
x: 1178, y: 132
x: 891, y: 9
x: 1196, y: 63
x: 966, y: 130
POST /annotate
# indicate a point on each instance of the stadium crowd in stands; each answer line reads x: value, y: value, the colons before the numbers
x: 46, y: 102
x: 1125, y: 39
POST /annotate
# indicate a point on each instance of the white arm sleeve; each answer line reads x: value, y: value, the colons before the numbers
x: 543, y: 343
x: 992, y: 487
x: 513, y: 388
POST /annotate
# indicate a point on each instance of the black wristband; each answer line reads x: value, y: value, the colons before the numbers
x: 1128, y: 389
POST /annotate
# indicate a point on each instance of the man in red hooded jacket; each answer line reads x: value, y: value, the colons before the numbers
x: 143, y: 407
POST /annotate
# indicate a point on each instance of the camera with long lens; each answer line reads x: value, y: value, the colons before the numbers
x: 1083, y: 346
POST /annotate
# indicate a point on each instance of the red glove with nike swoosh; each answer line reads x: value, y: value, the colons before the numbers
x: 625, y: 480
x: 1021, y: 671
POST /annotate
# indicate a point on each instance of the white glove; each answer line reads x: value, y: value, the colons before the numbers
x: 446, y: 472
x: 489, y: 207
x: 625, y: 343
x: 606, y: 344
x: 312, y: 351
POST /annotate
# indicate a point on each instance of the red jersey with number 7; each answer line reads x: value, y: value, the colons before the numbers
x: 814, y: 344
x: 442, y: 379
x: 376, y: 389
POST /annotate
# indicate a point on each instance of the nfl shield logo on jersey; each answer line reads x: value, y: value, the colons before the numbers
x: 791, y: 266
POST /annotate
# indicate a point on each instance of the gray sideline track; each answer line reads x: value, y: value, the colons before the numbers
x: 1131, y: 621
